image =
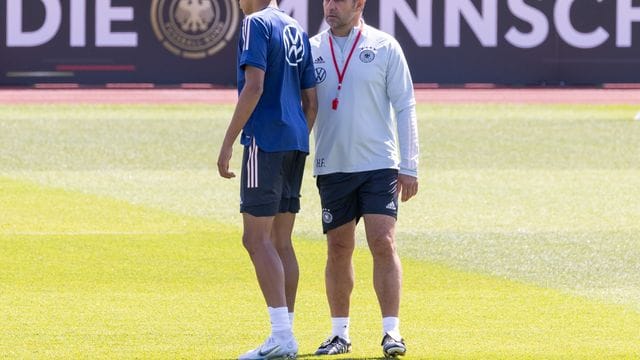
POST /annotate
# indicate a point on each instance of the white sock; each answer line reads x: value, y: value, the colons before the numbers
x: 340, y: 327
x: 280, y: 325
x: 291, y: 316
x: 391, y: 325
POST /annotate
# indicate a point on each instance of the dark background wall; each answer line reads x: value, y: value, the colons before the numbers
x: 515, y: 42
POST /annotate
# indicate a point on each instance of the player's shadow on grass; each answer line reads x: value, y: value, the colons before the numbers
x: 310, y: 356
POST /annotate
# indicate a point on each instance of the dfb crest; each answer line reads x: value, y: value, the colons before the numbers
x: 194, y: 29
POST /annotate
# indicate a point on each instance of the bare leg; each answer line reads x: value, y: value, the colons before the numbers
x: 339, y: 275
x: 268, y: 266
x: 281, y: 237
x: 387, y: 269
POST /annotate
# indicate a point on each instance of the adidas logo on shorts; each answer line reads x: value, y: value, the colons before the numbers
x: 392, y: 206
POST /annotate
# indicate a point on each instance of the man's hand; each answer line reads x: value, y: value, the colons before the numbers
x: 223, y: 162
x: 407, y: 186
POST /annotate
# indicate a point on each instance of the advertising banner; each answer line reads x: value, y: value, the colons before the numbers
x: 511, y: 42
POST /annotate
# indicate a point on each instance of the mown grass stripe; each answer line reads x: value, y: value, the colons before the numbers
x: 194, y: 295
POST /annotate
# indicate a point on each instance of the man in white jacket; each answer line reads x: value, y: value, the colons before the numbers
x: 366, y: 157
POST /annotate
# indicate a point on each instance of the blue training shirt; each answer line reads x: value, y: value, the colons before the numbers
x: 274, y: 42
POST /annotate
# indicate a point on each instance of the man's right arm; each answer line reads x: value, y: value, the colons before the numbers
x: 247, y: 102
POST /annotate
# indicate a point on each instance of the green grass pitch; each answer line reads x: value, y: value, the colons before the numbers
x: 119, y: 240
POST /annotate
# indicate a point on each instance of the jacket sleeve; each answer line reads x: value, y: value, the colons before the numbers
x: 400, y: 91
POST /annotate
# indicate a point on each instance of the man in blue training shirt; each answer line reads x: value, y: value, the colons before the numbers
x: 273, y: 55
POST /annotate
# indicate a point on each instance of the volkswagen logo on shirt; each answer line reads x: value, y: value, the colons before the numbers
x: 293, y: 45
x: 321, y: 75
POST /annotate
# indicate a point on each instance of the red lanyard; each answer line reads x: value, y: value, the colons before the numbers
x: 341, y: 74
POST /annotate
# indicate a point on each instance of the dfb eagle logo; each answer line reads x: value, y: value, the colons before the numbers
x: 194, y: 29
x: 194, y: 15
x: 293, y: 45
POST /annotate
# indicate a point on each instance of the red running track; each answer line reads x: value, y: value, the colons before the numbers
x: 229, y: 96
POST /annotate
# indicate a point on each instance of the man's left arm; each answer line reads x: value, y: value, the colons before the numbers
x: 400, y: 92
x: 308, y: 87
x: 310, y: 106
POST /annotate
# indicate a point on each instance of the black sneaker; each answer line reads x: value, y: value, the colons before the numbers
x: 334, y: 345
x: 393, y: 347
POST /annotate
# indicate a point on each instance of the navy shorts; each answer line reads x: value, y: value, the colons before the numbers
x: 270, y: 182
x: 348, y: 196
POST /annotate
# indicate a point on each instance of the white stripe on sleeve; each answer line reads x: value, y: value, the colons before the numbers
x: 247, y: 32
